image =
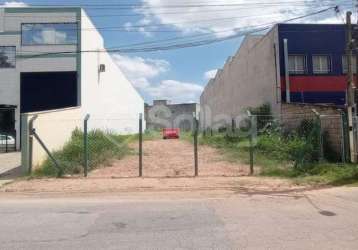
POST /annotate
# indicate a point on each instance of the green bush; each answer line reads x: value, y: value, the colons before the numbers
x: 294, y: 153
x: 300, y: 146
x: 301, y: 152
x: 103, y: 147
x: 272, y: 145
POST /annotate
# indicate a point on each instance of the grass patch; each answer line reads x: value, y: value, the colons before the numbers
x: 103, y: 147
x: 277, y: 158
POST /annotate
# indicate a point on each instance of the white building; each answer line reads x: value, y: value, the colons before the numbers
x: 41, y: 69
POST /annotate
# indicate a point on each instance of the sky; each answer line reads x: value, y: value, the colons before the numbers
x: 180, y: 75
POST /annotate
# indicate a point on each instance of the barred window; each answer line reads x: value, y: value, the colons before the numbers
x: 7, y: 57
x: 321, y: 64
x: 297, y: 64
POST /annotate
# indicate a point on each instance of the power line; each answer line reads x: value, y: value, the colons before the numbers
x: 211, y: 21
x: 218, y: 32
x: 190, y: 5
x: 132, y: 28
x: 184, y: 44
x: 195, y: 10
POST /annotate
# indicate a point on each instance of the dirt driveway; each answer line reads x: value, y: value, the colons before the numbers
x: 172, y: 158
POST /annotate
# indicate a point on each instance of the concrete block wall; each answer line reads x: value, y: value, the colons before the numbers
x: 331, y: 120
x: 164, y: 115
x: 248, y: 79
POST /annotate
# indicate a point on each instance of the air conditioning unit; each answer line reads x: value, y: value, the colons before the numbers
x: 102, y: 68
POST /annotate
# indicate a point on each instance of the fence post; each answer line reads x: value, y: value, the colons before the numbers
x: 320, y: 139
x: 251, y: 142
x: 195, y: 125
x: 85, y: 143
x: 233, y: 126
x: 140, y: 145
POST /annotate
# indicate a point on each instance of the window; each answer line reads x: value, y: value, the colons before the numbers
x: 296, y: 64
x: 7, y: 57
x: 49, y: 34
x: 321, y: 64
x: 345, y: 64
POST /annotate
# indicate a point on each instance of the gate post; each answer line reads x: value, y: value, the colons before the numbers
x: 320, y: 135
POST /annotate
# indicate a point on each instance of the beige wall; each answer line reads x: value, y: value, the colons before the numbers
x: 248, y: 79
x: 54, y: 128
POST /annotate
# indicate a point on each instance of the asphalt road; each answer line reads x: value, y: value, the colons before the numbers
x: 325, y: 219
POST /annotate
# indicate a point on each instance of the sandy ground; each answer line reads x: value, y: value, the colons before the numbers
x: 172, y: 158
x: 162, y: 159
x: 201, y: 185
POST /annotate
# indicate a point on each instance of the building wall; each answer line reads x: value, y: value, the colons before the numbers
x: 108, y: 97
x: 249, y: 79
x: 10, y: 35
x: 163, y: 115
x: 309, y: 40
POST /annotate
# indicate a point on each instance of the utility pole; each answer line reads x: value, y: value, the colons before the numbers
x: 351, y: 109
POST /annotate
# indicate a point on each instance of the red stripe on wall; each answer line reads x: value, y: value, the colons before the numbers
x: 315, y: 83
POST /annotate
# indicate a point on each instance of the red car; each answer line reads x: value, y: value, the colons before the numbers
x: 171, y: 133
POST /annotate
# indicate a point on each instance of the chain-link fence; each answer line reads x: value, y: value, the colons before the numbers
x: 121, y: 147
x: 80, y: 147
x: 170, y: 152
x: 259, y: 143
x: 114, y: 148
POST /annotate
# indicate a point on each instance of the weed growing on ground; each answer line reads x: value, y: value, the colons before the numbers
x: 289, y: 157
x: 103, y: 147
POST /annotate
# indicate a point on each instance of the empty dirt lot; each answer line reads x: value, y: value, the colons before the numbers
x: 172, y: 158
x: 162, y: 159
